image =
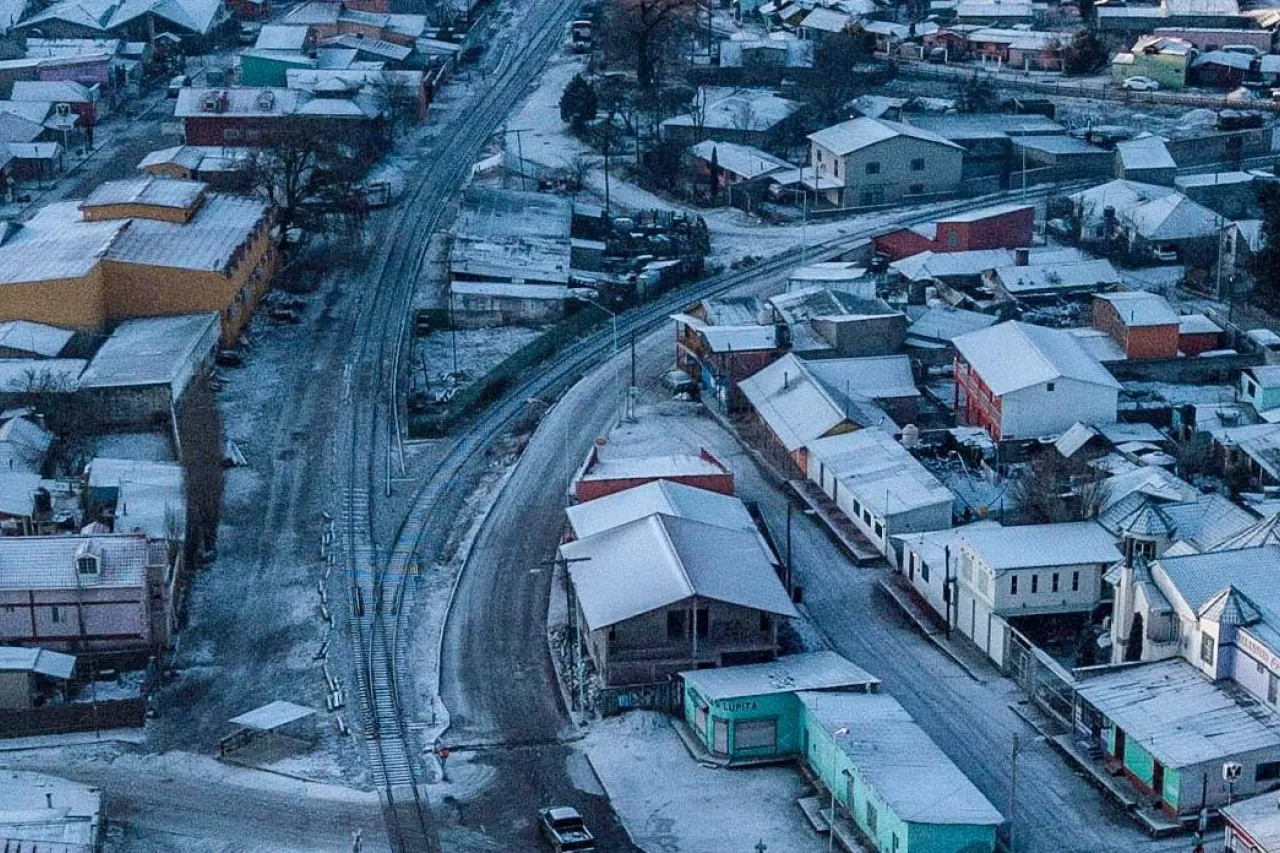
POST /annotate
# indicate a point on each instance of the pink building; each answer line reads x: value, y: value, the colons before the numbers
x: 108, y: 593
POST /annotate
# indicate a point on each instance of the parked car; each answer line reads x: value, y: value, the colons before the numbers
x: 1167, y: 254
x: 1140, y: 84
x: 178, y: 83
x: 565, y: 830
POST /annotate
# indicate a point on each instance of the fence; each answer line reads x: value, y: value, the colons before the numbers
x: 666, y: 696
x: 960, y: 74
x: 490, y: 386
x: 60, y: 719
x: 1047, y: 684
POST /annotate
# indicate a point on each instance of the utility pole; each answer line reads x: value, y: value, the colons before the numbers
x: 946, y: 587
x: 453, y: 335
x: 788, y: 547
x: 1013, y: 794
x: 518, y: 131
x: 575, y: 627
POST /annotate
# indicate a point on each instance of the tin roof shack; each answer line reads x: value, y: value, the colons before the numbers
x: 29, y: 676
x: 1145, y: 159
x: 1017, y: 380
x: 1008, y: 226
x: 752, y: 714
x: 22, y: 339
x: 719, y: 348
x: 1028, y: 282
x: 45, y: 814
x: 720, y: 166
x: 931, y: 335
x: 1048, y: 159
x: 755, y: 117
x: 847, y: 277
x: 1252, y: 825
x: 879, y: 486
x: 140, y: 375
x: 822, y: 322
x: 1170, y: 731
x: 1143, y: 324
x: 223, y: 168
x: 603, y: 474
x: 510, y: 257
x: 1260, y: 387
x: 661, y: 594
x: 891, y: 779
x: 1221, y: 69
x: 136, y: 495
x: 99, y: 592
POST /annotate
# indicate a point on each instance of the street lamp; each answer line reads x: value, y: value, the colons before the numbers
x: 613, y: 316
x: 843, y: 731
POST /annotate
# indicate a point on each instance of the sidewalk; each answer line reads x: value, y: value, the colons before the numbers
x: 964, y: 655
x: 838, y: 524
x: 1152, y: 819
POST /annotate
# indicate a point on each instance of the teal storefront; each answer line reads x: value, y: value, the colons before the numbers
x: 752, y: 714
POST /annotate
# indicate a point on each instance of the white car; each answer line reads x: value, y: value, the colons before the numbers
x: 1140, y: 84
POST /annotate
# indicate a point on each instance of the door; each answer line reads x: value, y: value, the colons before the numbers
x: 700, y: 720
x: 1157, y: 780
x: 1118, y: 752
x: 758, y: 735
x: 721, y: 744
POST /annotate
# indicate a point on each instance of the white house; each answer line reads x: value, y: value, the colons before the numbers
x: 879, y: 485
x: 883, y: 162
x: 1017, y: 380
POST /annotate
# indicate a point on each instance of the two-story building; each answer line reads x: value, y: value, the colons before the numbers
x: 1017, y: 380
x: 883, y: 162
x: 1036, y: 570
x: 662, y: 594
x: 1008, y: 226
x: 1165, y: 59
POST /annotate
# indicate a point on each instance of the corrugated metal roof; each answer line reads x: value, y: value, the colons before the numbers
x: 149, y: 351
x: 48, y: 562
x: 659, y: 496
x: 660, y: 560
x: 41, y: 661
x: 879, y: 472
x: 792, y: 402
x: 1178, y: 716
x: 1137, y: 308
x: 1014, y: 355
x: 35, y: 338
x: 1033, y: 545
x: 149, y: 190
x: 894, y: 755
x: 859, y: 133
x: 823, y: 670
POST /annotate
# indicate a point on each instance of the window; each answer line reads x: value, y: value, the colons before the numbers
x: 924, y: 570
x: 866, y: 516
x: 1206, y: 649
x: 1035, y: 584
x: 873, y: 168
x: 87, y: 564
x: 917, y: 165
x: 1075, y: 581
x: 1048, y: 386
x: 1249, y: 388
x: 613, y: 633
x: 675, y: 624
x: 857, y: 507
x: 1271, y: 687
x: 1013, y: 584
x: 1055, y: 581
x: 1268, y: 771
x: 915, y: 189
x: 879, y: 528
x: 57, y: 615
x: 755, y: 734
x: 953, y: 240
x: 1261, y: 668
x: 230, y: 135
x: 893, y: 847
x: 836, y: 167
x: 819, y: 153
x: 871, y: 818
x: 704, y: 622
x: 766, y: 623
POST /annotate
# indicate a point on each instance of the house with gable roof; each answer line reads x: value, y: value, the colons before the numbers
x: 876, y: 162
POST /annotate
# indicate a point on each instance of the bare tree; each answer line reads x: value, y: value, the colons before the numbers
x: 1052, y: 489
x: 647, y: 26
x: 200, y: 434
x: 398, y: 98
x: 51, y: 393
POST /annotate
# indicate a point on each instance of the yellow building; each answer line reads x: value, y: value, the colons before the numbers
x: 146, y: 247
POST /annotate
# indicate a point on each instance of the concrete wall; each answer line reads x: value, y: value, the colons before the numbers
x: 1037, y: 411
x: 75, y: 303
x: 15, y: 689
x: 854, y: 337
x: 784, y: 708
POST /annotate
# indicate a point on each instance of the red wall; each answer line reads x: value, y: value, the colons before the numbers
x: 1009, y: 230
x: 1193, y: 345
x: 979, y: 407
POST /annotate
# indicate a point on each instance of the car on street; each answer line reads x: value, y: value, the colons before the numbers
x: 177, y: 84
x: 1140, y: 84
x: 565, y: 830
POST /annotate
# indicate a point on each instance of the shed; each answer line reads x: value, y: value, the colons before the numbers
x: 23, y: 668
x: 269, y: 729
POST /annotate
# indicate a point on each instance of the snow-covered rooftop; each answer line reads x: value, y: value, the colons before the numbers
x: 1014, y: 355
x: 272, y: 716
x: 39, y: 661
x: 1035, y: 545
x: 1258, y: 817
x: 152, y: 351
x: 1145, y: 152
x: 1180, y: 717
x: 742, y: 160
x: 609, y: 467
x: 150, y: 190
x: 823, y: 670
x: 1033, y: 279
x: 1197, y: 324
x: 48, y: 562
x: 658, y: 496
x: 944, y: 323
x: 660, y: 560
x: 736, y: 109
x: 879, y: 472
x: 797, y: 408
x: 902, y: 763
x: 859, y: 133
x: 1138, y: 308
x: 1154, y: 212
x: 35, y: 338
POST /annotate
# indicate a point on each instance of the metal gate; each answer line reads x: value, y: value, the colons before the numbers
x: 1049, y: 686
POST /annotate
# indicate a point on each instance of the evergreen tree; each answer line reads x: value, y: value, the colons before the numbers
x: 578, y: 104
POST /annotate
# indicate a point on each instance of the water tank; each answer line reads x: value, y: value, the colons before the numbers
x: 910, y: 436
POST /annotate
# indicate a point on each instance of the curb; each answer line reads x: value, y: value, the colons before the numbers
x: 886, y: 585
x: 578, y: 718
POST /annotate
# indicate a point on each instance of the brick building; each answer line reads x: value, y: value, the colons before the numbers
x: 603, y: 474
x: 1143, y: 324
x: 1006, y: 227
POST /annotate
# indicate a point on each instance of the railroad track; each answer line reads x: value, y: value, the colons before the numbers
x: 370, y: 425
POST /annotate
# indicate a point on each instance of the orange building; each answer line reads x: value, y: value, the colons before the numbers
x: 1143, y: 324
x: 146, y: 247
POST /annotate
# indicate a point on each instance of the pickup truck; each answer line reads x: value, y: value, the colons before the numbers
x: 565, y: 830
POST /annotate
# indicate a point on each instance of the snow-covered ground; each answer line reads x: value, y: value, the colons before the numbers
x: 673, y: 804
x: 479, y: 351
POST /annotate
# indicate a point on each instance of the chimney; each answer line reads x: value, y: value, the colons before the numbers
x: 1021, y: 257
x: 785, y: 380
